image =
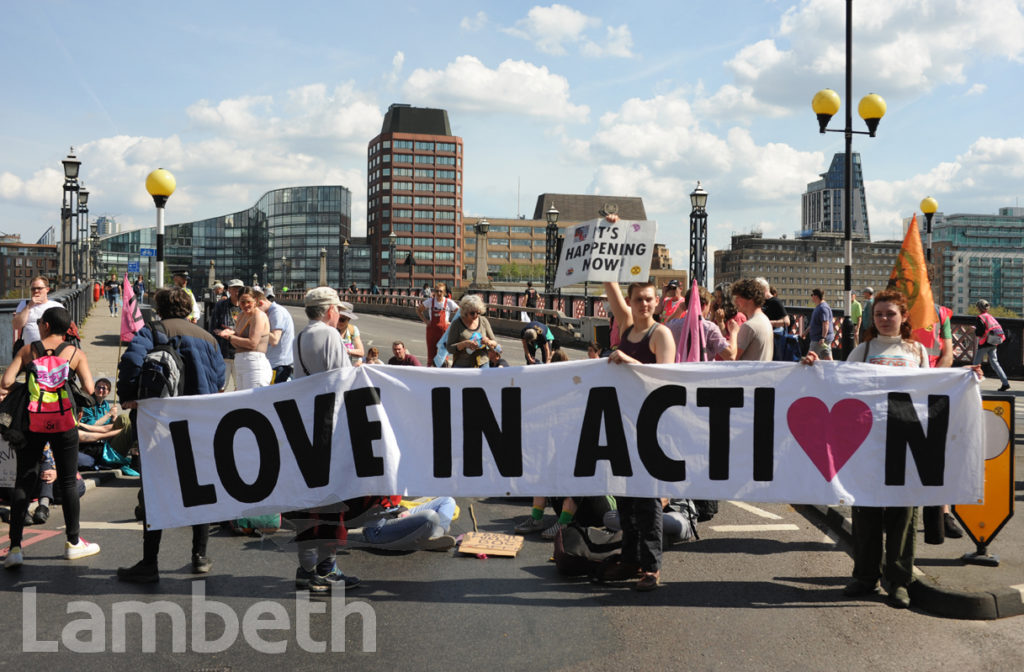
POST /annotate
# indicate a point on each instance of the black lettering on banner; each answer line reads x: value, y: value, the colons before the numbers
x: 903, y: 428
x: 313, y: 457
x: 362, y: 431
x: 764, y: 433
x: 602, y: 410
x: 505, y: 442
x: 192, y: 493
x: 719, y: 401
x: 441, y: 415
x: 267, y: 448
x: 654, y: 459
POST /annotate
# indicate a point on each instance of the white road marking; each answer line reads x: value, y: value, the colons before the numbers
x: 783, y: 527
x: 133, y: 526
x: 756, y: 511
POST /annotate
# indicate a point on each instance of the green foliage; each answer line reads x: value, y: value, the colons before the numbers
x: 995, y: 311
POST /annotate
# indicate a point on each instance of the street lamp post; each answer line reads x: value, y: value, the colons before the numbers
x: 67, y: 212
x: 699, y: 235
x: 929, y: 206
x: 284, y: 272
x: 82, y: 271
x: 871, y: 109
x: 550, y: 250
x: 322, y: 279
x: 392, y: 238
x: 160, y: 184
x: 344, y: 264
x: 266, y: 278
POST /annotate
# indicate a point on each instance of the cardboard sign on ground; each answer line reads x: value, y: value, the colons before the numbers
x: 491, y: 543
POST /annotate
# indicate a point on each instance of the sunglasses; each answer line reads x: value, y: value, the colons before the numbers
x: 39, y: 289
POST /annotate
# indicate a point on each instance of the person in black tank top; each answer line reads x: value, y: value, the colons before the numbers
x: 643, y: 341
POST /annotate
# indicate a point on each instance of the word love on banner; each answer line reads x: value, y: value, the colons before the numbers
x: 600, y: 251
x: 830, y: 433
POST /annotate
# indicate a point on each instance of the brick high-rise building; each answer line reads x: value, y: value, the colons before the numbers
x: 414, y: 188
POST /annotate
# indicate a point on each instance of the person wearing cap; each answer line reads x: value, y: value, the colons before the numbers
x: 181, y: 282
x: 225, y: 315
x: 211, y: 296
x: 494, y: 358
x: 282, y: 335
x: 318, y: 348
x: 670, y: 304
x: 990, y: 335
x: 867, y: 314
x: 350, y: 337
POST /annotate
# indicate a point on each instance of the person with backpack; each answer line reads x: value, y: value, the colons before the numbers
x: 990, y: 336
x: 49, y: 364
x: 147, y: 370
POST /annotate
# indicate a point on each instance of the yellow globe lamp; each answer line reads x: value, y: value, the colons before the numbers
x: 160, y: 184
x: 929, y: 206
x: 871, y: 109
x: 825, y: 104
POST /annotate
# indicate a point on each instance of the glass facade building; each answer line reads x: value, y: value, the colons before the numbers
x: 278, y: 240
x: 822, y: 204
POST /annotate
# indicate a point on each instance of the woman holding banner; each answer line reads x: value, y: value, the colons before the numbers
x: 888, y: 342
x: 642, y: 341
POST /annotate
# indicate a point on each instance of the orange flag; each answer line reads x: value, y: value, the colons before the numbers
x: 911, y: 277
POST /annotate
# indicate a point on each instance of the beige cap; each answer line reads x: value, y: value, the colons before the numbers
x: 322, y: 296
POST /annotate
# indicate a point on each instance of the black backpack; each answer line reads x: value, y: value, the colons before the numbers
x: 706, y: 509
x: 579, y: 550
x: 163, y: 368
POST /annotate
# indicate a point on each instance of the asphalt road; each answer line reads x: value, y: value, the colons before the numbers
x: 758, y: 591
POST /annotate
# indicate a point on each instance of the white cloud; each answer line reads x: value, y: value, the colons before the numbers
x: 976, y: 90
x: 901, y: 47
x: 473, y: 23
x: 45, y: 187
x: 553, y: 29
x: 515, y: 87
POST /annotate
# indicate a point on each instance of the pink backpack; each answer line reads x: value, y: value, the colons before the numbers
x: 51, y: 407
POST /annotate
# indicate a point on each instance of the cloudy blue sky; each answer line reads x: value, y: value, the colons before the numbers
x: 639, y: 99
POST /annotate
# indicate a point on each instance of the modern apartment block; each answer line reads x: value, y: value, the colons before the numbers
x: 20, y: 262
x: 414, y: 189
x: 822, y: 209
x: 979, y: 257
x: 795, y: 266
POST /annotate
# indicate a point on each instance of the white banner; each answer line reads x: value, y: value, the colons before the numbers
x: 762, y: 432
x: 600, y: 251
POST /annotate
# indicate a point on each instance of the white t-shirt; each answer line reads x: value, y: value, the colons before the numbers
x: 30, y: 333
x: 433, y: 307
x: 891, y: 351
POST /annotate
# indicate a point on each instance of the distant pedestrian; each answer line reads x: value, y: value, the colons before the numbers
x: 867, y: 314
x: 530, y: 296
x: 437, y: 313
x: 282, y: 335
x: 990, y: 336
x: 820, y: 329
x: 112, y: 288
x: 856, y: 315
x: 26, y: 316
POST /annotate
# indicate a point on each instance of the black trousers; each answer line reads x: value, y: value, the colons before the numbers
x: 641, y: 531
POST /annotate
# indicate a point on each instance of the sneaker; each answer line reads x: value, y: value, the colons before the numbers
x: 302, y: 577
x: 14, y: 558
x: 318, y: 584
x: 552, y: 531
x: 83, y: 549
x: 335, y: 575
x: 1004, y: 388
x: 648, y: 582
x: 529, y: 526
x: 140, y: 572
x: 201, y: 564
x: 953, y: 530
x: 899, y: 598
x: 28, y: 519
x: 41, y: 515
x: 440, y: 543
x: 857, y: 588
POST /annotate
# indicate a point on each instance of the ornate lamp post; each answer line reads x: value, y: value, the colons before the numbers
x: 82, y: 254
x: 550, y: 250
x: 929, y: 206
x: 160, y: 184
x: 699, y: 235
x: 284, y: 272
x: 871, y: 109
x: 392, y: 238
x: 480, y: 278
x: 322, y: 279
x: 67, y: 213
x: 344, y: 264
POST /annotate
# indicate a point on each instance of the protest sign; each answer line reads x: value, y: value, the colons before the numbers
x: 602, y: 251
x: 753, y: 431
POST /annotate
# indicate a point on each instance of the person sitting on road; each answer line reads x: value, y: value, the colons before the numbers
x: 103, y: 426
x: 386, y: 524
x: 373, y: 356
x: 678, y: 519
x: 494, y: 358
x: 586, y: 511
x: 401, y: 356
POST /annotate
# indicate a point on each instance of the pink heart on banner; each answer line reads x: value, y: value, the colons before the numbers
x: 830, y: 438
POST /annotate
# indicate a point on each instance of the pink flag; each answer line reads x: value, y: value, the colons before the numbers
x: 692, y: 344
x: 131, y: 317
